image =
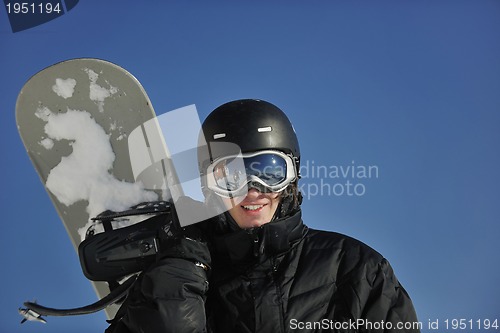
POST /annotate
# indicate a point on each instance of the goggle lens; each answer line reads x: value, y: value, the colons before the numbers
x: 271, y: 169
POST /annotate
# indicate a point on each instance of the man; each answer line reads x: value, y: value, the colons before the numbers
x: 268, y: 271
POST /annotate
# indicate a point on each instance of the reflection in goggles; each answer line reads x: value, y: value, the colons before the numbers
x: 272, y: 169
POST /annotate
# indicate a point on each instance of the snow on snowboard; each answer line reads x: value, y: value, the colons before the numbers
x: 79, y: 121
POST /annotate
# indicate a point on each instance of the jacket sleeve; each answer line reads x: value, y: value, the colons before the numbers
x: 168, y: 297
x: 384, y: 304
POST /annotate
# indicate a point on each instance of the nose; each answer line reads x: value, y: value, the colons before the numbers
x: 253, y: 193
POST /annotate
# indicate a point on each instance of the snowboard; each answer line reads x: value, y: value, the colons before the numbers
x: 91, y: 133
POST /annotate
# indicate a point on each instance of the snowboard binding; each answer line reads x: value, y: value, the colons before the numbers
x: 126, y: 246
x: 130, y: 242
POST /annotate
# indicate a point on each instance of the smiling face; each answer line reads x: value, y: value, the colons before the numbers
x: 254, y: 210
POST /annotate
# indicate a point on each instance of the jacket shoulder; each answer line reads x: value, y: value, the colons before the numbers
x: 330, y: 240
x: 351, y: 256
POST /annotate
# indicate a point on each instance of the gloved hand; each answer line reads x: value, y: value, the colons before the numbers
x: 169, y: 296
x: 186, y: 242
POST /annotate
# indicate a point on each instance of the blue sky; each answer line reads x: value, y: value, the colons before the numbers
x: 409, y: 87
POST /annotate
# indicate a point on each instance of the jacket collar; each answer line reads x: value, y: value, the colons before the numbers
x: 247, y: 246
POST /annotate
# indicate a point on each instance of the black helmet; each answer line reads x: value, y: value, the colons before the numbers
x: 252, y: 125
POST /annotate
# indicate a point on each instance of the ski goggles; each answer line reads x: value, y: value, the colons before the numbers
x: 267, y: 170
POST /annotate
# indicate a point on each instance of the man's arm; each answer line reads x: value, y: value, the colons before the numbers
x: 170, y: 295
x: 387, y: 303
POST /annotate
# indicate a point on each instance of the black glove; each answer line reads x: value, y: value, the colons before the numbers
x: 169, y: 296
x: 186, y: 242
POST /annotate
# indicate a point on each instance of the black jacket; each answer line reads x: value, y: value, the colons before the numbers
x: 282, y: 277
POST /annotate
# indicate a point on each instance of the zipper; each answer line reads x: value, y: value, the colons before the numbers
x: 255, y: 244
x: 278, y: 294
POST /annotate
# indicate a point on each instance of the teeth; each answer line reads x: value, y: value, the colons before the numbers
x: 253, y: 207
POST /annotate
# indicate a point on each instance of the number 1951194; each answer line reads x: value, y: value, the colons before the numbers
x: 32, y: 8
x: 480, y: 324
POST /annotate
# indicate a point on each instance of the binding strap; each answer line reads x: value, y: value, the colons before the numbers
x: 111, y: 298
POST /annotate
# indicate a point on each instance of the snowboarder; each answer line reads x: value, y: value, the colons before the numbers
x: 258, y: 267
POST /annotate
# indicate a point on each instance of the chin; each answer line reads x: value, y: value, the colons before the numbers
x: 254, y: 224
